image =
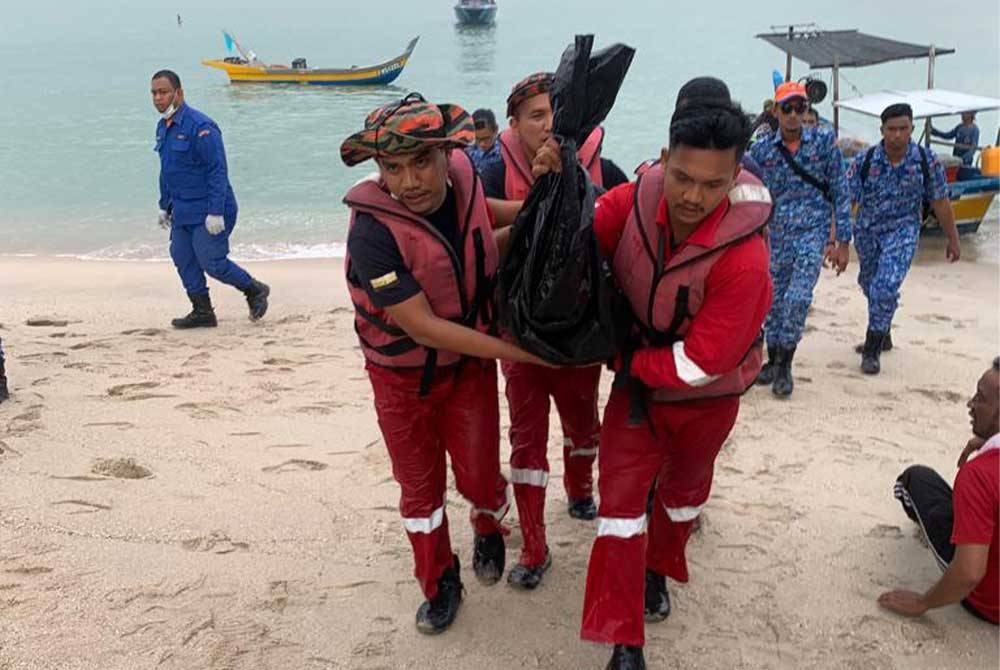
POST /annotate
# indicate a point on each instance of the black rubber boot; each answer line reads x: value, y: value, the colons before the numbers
x: 870, y: 363
x: 4, y: 393
x: 202, y: 315
x: 489, y: 558
x: 256, y: 295
x: 886, y: 345
x: 766, y: 375
x: 523, y: 577
x: 582, y: 508
x: 657, y: 597
x: 435, y: 616
x: 783, y: 383
x: 626, y: 658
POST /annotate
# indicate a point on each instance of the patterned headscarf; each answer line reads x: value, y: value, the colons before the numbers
x: 529, y: 87
x: 408, y: 126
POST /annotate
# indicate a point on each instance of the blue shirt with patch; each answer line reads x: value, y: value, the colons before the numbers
x: 194, y: 179
x: 892, y: 196
x: 798, y: 204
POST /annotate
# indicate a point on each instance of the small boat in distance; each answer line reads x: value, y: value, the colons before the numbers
x: 248, y: 68
x: 476, y: 12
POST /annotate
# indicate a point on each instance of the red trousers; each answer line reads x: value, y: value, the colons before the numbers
x: 460, y: 416
x: 680, y: 448
x: 574, y: 391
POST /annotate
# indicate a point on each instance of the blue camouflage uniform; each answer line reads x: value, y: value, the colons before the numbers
x: 800, y: 225
x: 483, y: 159
x: 193, y: 184
x: 887, y: 227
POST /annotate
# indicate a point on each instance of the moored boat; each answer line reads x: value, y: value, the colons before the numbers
x: 247, y: 67
x: 476, y: 12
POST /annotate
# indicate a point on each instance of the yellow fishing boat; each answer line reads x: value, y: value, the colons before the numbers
x: 247, y: 67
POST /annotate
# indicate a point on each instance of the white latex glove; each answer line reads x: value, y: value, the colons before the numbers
x: 214, y: 224
x: 164, y: 220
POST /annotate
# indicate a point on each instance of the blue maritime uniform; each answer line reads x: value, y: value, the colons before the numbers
x: 194, y: 183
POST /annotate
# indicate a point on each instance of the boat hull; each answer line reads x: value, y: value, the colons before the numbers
x: 475, y: 16
x: 970, y: 200
x: 370, y: 75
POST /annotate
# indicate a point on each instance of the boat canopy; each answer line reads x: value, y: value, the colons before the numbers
x: 926, y: 104
x: 822, y: 49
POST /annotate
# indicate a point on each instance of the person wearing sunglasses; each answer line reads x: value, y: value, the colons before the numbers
x: 420, y: 265
x: 485, y: 151
x: 803, y: 168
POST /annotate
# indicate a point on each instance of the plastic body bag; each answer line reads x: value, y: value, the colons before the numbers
x: 554, y: 290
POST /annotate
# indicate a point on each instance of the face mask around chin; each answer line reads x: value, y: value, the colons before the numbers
x: 170, y: 111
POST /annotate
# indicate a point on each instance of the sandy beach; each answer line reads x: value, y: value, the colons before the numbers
x: 222, y: 498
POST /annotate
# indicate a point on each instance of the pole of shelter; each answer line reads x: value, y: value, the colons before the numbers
x: 788, y: 54
x: 931, y: 57
x: 836, y: 95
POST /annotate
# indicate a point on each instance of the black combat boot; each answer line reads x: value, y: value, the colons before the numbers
x: 657, y: 597
x: 523, y: 577
x: 766, y: 375
x: 202, y: 315
x: 870, y: 363
x: 435, y: 616
x: 886, y: 345
x: 256, y: 294
x: 627, y: 658
x: 4, y: 393
x: 489, y: 555
x: 783, y: 384
x: 582, y: 508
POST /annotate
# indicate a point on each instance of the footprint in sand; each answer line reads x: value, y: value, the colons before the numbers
x: 7, y: 452
x: 939, y: 396
x: 204, y: 410
x: 216, y: 542
x: 295, y: 464
x: 82, y: 506
x: 92, y: 344
x: 120, y: 468
x: 145, y: 332
x: 33, y: 570
x: 129, y: 391
x: 292, y: 318
x: 884, y: 530
x: 26, y: 422
x: 41, y: 321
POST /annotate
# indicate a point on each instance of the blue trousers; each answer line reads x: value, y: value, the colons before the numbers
x: 884, y: 259
x: 796, y: 260
x: 196, y: 252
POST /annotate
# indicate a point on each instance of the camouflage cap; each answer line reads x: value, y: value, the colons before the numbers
x: 529, y: 87
x: 408, y: 126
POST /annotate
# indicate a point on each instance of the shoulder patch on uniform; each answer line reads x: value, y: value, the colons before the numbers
x: 202, y: 133
x: 385, y: 281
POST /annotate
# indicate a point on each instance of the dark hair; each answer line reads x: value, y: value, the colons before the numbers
x: 711, y: 125
x: 484, y: 118
x: 170, y: 76
x: 996, y: 363
x: 897, y: 110
x: 702, y: 89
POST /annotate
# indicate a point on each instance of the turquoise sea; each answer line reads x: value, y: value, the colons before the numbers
x: 77, y: 167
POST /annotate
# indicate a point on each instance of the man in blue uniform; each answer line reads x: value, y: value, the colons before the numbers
x: 966, y: 136
x: 804, y: 170
x: 197, y: 203
x: 486, y: 150
x: 890, y: 184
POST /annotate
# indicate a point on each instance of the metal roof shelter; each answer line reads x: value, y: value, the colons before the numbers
x: 834, y: 49
x: 926, y: 104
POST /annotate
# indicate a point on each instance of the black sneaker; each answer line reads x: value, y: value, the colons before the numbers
x: 256, y: 295
x: 436, y: 616
x: 523, y: 577
x: 489, y: 558
x: 582, y: 508
x: 657, y: 597
x: 626, y: 658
